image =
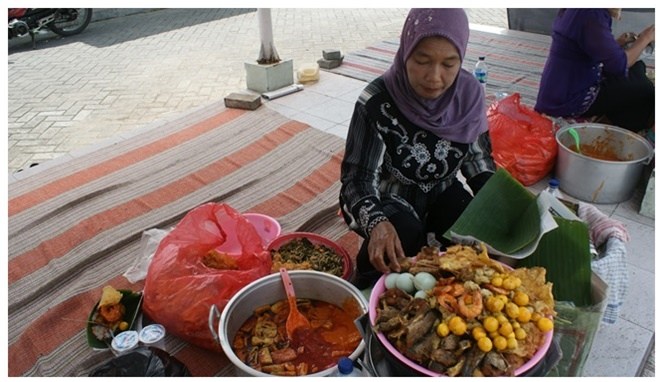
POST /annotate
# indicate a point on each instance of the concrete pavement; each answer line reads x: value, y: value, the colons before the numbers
x: 127, y: 70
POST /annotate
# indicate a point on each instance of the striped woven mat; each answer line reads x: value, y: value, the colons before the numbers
x: 515, y: 61
x: 77, y: 227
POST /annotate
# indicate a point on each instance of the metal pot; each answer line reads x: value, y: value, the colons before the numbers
x: 595, y: 180
x: 268, y: 290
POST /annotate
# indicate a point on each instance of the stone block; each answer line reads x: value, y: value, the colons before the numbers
x: 330, y: 64
x: 242, y: 101
x: 264, y: 78
x: 331, y: 54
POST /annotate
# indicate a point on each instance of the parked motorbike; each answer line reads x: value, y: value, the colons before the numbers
x: 62, y: 21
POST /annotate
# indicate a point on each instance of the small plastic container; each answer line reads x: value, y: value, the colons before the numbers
x: 309, y: 72
x: 153, y: 335
x: 124, y: 342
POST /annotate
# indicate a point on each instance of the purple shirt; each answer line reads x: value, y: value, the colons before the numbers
x: 583, y: 51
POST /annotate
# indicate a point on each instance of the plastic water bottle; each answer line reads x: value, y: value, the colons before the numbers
x: 481, y: 72
x: 553, y: 188
x: 346, y: 368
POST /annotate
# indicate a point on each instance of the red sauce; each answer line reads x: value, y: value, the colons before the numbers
x: 598, y: 151
x: 332, y: 335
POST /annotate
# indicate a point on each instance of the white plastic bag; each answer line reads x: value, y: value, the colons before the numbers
x: 148, y: 246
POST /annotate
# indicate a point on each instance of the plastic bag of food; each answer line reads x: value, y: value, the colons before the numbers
x: 523, y: 141
x: 211, y: 254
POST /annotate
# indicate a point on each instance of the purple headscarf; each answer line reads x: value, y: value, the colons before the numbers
x: 459, y: 114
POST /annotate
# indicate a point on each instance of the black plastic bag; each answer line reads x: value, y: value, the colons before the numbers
x: 142, y: 362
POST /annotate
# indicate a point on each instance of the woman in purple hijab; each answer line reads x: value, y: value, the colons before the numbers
x: 413, y: 130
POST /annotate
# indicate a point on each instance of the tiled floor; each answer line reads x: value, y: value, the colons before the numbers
x: 619, y: 349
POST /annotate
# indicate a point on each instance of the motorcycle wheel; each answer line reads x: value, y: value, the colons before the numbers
x: 71, y: 21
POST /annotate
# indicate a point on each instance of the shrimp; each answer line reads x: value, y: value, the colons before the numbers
x: 470, y: 304
x: 448, y: 302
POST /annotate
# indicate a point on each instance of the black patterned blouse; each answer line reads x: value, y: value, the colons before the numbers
x: 386, y: 156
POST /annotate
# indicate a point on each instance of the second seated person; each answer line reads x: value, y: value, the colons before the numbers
x: 412, y: 131
x: 590, y: 73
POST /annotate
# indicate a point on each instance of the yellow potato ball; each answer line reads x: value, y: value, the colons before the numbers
x: 478, y: 332
x: 509, y: 283
x: 520, y: 333
x: 497, y: 281
x: 442, y: 329
x: 544, y: 324
x: 524, y: 315
x: 500, y: 343
x: 485, y: 344
x: 505, y: 329
x: 491, y: 324
x: 512, y: 310
x: 494, y: 304
x: 521, y: 298
x: 457, y: 326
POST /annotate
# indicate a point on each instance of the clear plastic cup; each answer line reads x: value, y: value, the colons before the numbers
x: 153, y: 335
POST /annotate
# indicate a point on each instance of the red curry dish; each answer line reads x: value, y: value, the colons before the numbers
x: 262, y: 342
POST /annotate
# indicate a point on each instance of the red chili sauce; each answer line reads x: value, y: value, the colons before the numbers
x: 262, y: 341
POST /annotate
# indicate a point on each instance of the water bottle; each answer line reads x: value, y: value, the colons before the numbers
x: 481, y: 72
x: 346, y: 368
x: 553, y: 188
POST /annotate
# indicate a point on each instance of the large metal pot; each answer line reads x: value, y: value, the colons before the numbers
x: 595, y: 180
x: 268, y: 290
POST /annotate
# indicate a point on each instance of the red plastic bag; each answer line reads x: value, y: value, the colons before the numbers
x: 180, y: 288
x: 523, y: 140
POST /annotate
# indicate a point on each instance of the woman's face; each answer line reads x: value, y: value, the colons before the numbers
x: 432, y: 67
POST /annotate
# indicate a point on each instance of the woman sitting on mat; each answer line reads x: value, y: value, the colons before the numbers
x: 589, y: 73
x: 413, y: 130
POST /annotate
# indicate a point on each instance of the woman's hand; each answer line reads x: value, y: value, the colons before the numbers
x: 626, y: 38
x: 384, y: 242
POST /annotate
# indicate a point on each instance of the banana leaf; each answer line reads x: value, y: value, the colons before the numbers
x: 564, y: 252
x: 503, y: 214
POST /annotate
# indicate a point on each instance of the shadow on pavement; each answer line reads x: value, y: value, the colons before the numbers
x: 108, y: 32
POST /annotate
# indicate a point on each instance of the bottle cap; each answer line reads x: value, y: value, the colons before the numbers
x: 553, y: 182
x: 345, y: 365
x: 482, y: 57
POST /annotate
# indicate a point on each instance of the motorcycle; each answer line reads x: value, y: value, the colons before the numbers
x: 62, y: 21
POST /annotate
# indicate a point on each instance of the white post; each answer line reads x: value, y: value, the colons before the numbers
x: 268, y: 54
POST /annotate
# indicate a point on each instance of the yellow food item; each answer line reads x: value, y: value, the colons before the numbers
x: 520, y: 333
x: 512, y: 310
x: 485, y: 344
x: 490, y: 323
x: 497, y: 281
x: 457, y: 326
x: 521, y: 298
x: 442, y: 329
x: 478, y: 332
x: 110, y: 296
x: 494, y: 304
x: 499, y: 342
x: 505, y: 329
x: 545, y: 324
x: 524, y: 315
x: 123, y: 325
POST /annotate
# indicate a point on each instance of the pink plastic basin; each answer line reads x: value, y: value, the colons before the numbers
x: 377, y: 291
